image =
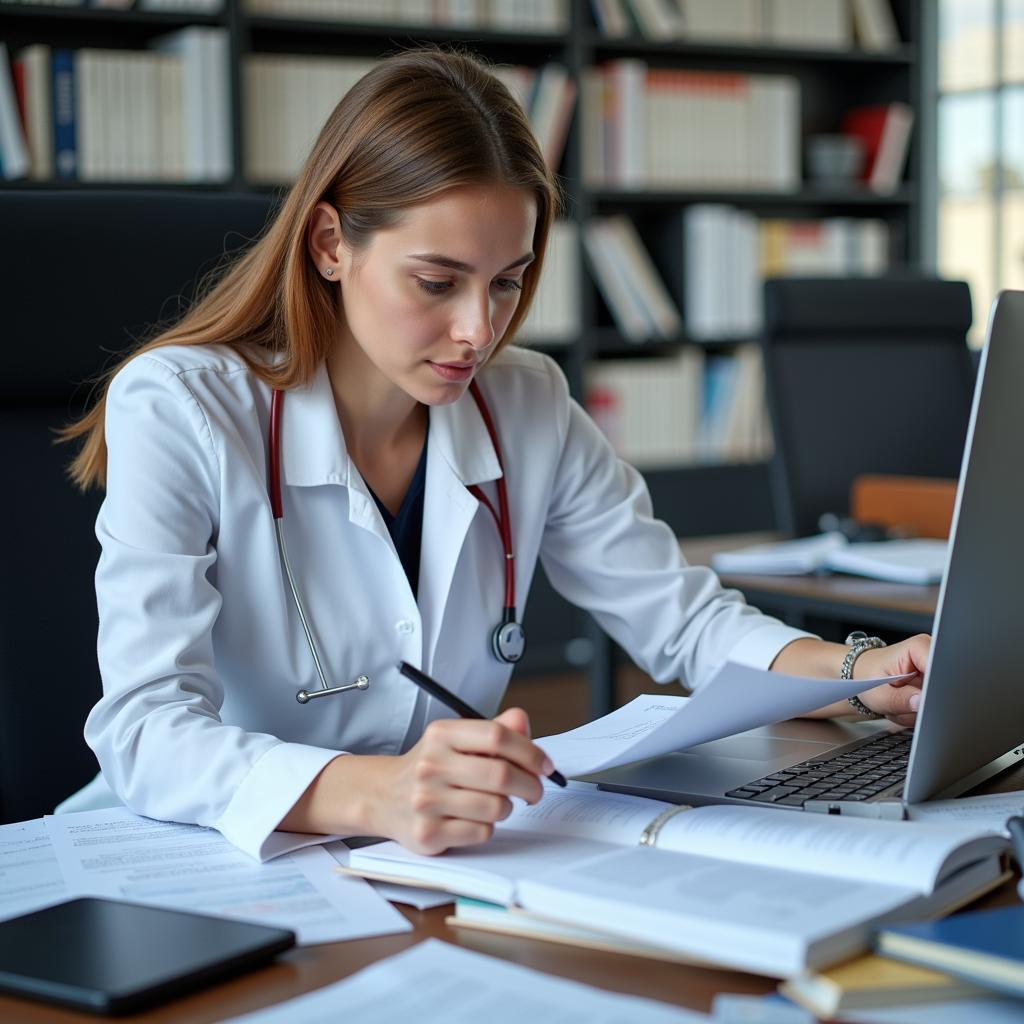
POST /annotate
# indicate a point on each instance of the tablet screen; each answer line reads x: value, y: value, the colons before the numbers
x: 113, y: 957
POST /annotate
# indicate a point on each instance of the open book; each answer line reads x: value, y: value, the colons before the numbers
x: 918, y: 561
x: 756, y: 888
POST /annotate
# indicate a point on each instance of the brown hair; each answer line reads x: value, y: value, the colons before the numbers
x: 420, y: 123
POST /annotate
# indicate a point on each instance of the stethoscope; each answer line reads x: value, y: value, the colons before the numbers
x: 508, y: 640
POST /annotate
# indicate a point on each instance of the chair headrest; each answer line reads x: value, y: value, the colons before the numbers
x: 923, y: 307
x: 85, y: 274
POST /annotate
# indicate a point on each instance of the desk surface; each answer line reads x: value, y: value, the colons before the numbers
x: 311, y: 967
x: 897, y: 606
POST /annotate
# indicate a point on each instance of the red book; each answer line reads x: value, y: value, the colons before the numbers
x: 18, y: 74
x: 885, y: 133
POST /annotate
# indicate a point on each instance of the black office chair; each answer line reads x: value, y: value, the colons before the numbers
x: 863, y: 375
x: 82, y: 273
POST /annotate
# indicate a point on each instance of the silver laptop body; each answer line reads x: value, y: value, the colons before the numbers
x: 971, y: 720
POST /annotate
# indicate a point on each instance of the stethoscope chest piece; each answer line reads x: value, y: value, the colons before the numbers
x: 508, y: 641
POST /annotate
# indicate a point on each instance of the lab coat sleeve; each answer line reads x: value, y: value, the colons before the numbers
x: 156, y: 730
x: 603, y: 550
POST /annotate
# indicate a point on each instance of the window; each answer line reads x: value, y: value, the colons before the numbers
x: 981, y: 148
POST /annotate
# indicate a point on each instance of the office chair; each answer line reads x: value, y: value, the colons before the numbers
x: 82, y: 272
x: 863, y: 375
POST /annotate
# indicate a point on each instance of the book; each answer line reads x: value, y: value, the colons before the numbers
x: 875, y: 25
x: 985, y: 947
x: 872, y: 981
x: 495, y: 917
x: 13, y: 148
x: 744, y: 887
x: 884, y: 129
x: 918, y: 561
x: 65, y: 146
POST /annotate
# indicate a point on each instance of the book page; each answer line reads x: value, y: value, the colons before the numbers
x: 487, y: 872
x: 586, y: 813
x: 899, y: 853
x: 755, y: 918
x: 737, y: 698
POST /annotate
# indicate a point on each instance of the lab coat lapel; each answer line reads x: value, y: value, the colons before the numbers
x: 459, y: 453
x: 314, y: 453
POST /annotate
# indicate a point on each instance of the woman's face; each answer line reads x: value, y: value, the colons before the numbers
x: 428, y: 299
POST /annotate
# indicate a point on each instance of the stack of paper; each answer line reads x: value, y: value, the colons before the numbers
x: 119, y: 855
x: 917, y: 561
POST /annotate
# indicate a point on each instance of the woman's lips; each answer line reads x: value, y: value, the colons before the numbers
x: 452, y: 371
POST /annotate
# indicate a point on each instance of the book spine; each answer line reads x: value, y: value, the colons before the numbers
x: 65, y: 148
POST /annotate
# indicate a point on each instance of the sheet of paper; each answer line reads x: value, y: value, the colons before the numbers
x: 978, y: 813
x: 438, y: 983
x: 30, y: 877
x: 736, y: 699
x: 115, y: 853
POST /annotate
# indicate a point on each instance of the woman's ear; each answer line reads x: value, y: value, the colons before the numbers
x: 325, y: 242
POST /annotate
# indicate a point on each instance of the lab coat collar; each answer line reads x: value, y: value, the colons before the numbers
x: 460, y: 434
x: 313, y: 447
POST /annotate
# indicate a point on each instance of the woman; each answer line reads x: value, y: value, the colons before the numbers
x: 396, y: 273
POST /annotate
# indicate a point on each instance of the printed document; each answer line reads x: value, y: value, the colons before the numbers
x: 438, y: 983
x: 976, y: 813
x: 115, y: 853
x: 30, y: 877
x: 736, y: 699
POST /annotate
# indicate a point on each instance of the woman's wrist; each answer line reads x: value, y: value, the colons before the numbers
x: 344, y: 799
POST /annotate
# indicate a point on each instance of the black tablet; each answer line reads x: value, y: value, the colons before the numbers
x: 112, y: 957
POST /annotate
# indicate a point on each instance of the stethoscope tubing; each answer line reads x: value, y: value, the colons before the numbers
x: 501, y: 519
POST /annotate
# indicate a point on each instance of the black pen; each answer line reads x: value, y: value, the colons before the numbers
x: 449, y: 700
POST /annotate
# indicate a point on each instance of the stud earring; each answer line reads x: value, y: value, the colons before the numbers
x: 329, y: 271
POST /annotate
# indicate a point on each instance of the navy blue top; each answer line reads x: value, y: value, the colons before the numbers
x: 406, y: 528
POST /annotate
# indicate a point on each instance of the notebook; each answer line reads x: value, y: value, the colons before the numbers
x: 985, y: 947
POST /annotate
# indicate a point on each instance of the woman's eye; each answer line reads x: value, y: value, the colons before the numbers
x: 433, y: 287
x: 507, y: 284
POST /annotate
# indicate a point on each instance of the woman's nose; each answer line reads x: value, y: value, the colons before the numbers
x: 474, y: 323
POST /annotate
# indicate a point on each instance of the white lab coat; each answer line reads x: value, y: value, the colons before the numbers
x: 200, y: 648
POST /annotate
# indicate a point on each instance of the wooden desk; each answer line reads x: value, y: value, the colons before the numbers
x: 900, y: 607
x: 311, y: 967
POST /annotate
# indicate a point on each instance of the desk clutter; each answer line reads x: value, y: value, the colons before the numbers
x: 778, y: 894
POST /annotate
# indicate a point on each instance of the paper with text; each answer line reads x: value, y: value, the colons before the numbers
x: 977, y: 813
x: 30, y: 877
x: 899, y: 853
x: 438, y: 983
x: 115, y: 853
x: 736, y: 699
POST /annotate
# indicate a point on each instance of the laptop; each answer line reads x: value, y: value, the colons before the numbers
x: 970, y: 723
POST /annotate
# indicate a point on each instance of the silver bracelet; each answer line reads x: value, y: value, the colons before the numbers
x: 859, y: 642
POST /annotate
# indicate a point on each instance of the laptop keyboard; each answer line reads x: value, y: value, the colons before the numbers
x: 856, y: 773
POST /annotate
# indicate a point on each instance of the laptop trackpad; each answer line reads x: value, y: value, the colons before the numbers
x: 761, y: 748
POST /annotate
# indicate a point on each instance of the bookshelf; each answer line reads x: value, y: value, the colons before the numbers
x: 713, y: 496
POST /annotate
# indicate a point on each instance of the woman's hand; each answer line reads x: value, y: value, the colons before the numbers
x: 897, y: 701
x: 452, y: 787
